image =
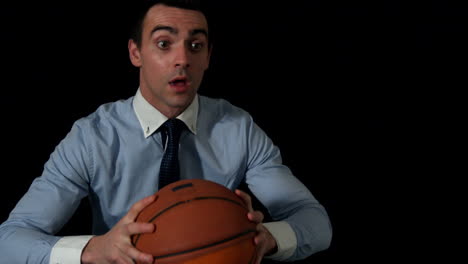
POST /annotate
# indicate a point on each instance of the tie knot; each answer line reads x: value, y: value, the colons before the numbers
x: 174, y: 127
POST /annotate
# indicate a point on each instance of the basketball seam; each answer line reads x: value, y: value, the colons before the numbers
x: 207, y: 246
x: 183, y: 202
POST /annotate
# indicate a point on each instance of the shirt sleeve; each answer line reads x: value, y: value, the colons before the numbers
x: 29, y: 232
x: 285, y: 197
x: 68, y: 250
x: 285, y: 237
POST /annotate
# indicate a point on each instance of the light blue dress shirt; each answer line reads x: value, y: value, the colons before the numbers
x: 113, y: 157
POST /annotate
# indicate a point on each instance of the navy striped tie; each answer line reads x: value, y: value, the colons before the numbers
x: 169, y: 171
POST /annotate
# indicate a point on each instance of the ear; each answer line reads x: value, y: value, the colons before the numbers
x: 134, y: 53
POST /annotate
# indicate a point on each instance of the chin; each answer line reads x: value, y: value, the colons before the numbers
x: 182, y: 102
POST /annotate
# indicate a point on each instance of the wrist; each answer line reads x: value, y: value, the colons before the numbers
x: 273, y: 245
x: 68, y: 249
x: 87, y: 255
x: 272, y: 251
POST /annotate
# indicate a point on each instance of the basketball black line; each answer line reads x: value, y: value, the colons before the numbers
x: 183, y: 186
x: 218, y: 198
x: 207, y: 246
x: 160, y: 213
x: 187, y: 201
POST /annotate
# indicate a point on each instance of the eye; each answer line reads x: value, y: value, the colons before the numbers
x: 196, y: 46
x: 163, y: 44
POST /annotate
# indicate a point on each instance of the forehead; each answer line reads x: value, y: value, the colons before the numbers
x: 181, y: 19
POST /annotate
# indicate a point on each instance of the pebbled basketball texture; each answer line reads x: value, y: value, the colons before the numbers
x: 197, y: 221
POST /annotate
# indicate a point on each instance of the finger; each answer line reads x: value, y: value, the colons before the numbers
x: 258, y: 259
x: 138, y: 228
x: 124, y: 258
x: 261, y: 248
x: 255, y: 258
x: 137, y: 255
x: 259, y: 239
x: 259, y: 255
x: 246, y: 198
x: 138, y: 206
x: 264, y: 241
x: 256, y: 216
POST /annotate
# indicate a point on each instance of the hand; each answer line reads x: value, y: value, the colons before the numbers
x: 264, y: 240
x: 115, y: 246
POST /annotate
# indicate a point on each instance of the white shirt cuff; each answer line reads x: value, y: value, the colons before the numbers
x: 285, y: 239
x: 68, y: 250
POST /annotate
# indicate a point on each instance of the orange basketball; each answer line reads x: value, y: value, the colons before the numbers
x: 197, y: 222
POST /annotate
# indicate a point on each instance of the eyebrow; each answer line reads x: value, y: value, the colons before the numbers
x: 199, y: 31
x: 175, y: 31
x: 167, y: 28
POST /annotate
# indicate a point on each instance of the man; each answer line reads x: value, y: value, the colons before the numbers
x: 114, y: 155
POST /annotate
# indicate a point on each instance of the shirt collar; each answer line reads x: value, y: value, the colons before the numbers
x: 151, y: 119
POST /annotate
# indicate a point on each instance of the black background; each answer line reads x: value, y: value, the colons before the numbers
x: 373, y: 90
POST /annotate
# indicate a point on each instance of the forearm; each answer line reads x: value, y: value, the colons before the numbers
x: 312, y: 228
x: 297, y: 238
x: 305, y: 227
x: 24, y: 245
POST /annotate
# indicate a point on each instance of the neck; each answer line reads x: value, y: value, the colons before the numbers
x: 165, y: 109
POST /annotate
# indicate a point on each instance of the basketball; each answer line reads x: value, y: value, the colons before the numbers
x: 197, y: 221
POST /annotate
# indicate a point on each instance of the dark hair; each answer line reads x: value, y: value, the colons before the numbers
x: 137, y: 30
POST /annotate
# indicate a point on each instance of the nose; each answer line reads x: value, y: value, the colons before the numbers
x: 182, y: 59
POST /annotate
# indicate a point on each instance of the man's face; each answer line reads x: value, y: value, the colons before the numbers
x: 172, y: 57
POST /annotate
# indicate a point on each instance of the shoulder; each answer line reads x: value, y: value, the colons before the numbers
x: 219, y: 119
x: 218, y: 109
x: 108, y: 117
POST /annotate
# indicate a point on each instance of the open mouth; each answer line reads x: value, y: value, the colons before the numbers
x: 179, y: 81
